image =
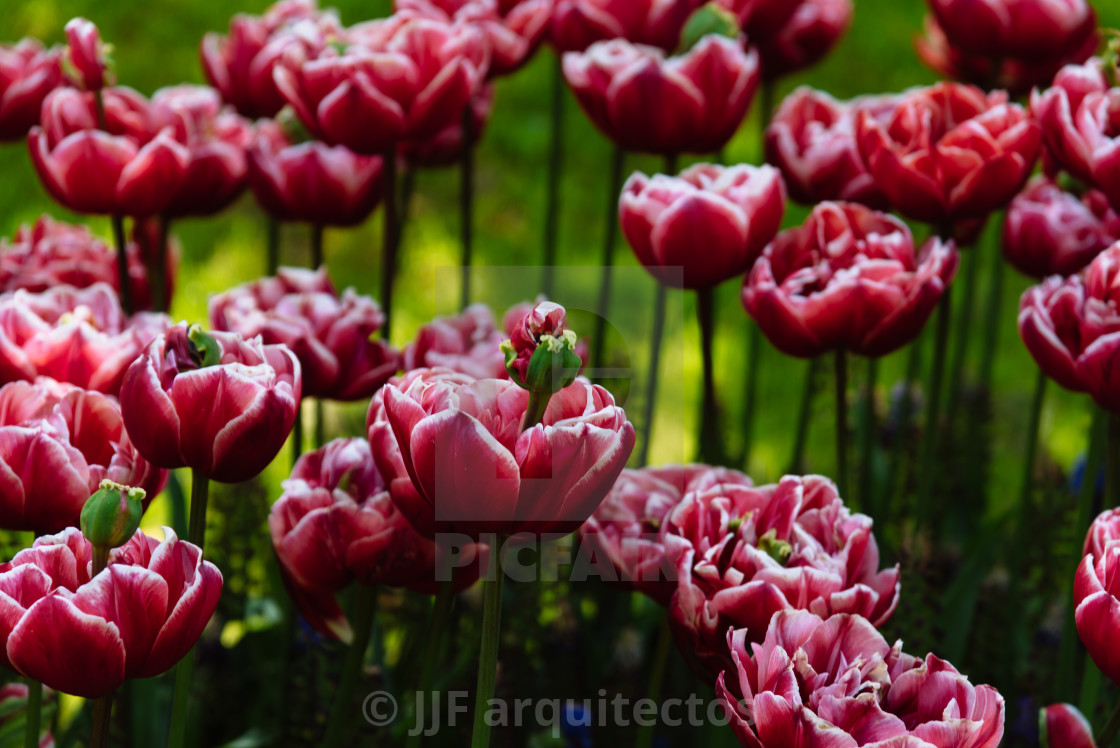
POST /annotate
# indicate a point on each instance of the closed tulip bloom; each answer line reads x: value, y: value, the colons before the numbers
x: 57, y: 443
x: 1065, y: 727
x: 757, y: 551
x: 80, y: 336
x: 86, y: 56
x: 215, y: 403
x: 806, y: 38
x: 1048, y: 231
x: 312, y: 182
x: 335, y: 524
x: 704, y: 227
x: 848, y: 279
x: 28, y: 72
x: 1071, y: 326
x: 627, y: 530
x: 762, y: 19
x: 645, y: 101
x: 467, y: 343
x: 333, y: 335
x: 812, y: 139
x: 1023, y: 29
x: 949, y: 152
x: 836, y: 682
x: 240, y: 64
x: 86, y: 636
x: 445, y: 148
x: 1096, y: 593
x: 577, y: 24
x: 1081, y: 127
x: 398, y: 79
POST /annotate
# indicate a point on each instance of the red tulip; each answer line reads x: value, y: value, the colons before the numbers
x: 28, y: 72
x: 1071, y: 327
x: 1079, y: 123
x: 86, y: 56
x: 332, y: 335
x: 1063, y: 726
x: 848, y: 279
x: 812, y: 139
x: 645, y: 101
x: 76, y: 336
x: 335, y: 524
x: 216, y: 139
x: 1051, y: 232
x: 129, y: 170
x: 949, y: 152
x: 757, y: 551
x: 240, y: 65
x: 312, y: 182
x: 445, y: 148
x: 1096, y: 593
x: 466, y: 343
x: 399, y: 78
x: 837, y: 682
x: 474, y: 470
x: 811, y: 32
x: 513, y: 30
x: 57, y: 443
x: 763, y: 19
x: 1021, y: 29
x: 627, y: 528
x: 217, y: 404
x: 577, y: 24
x: 704, y: 227
x: 86, y: 636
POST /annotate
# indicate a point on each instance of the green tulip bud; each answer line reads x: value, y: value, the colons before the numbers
x: 205, y: 349
x: 706, y: 20
x: 112, y: 515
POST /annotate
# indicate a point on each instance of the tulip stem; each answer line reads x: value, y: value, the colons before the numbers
x: 320, y: 424
x: 750, y: 396
x: 34, y: 714
x: 343, y: 709
x: 709, y: 411
x: 657, y: 333
x: 614, y: 187
x: 437, y: 628
x: 491, y: 639
x: 158, y: 281
x: 125, y: 290
x: 200, y: 495
x: 297, y: 434
x: 466, y: 203
x: 927, y: 461
x: 902, y: 428
x: 841, y: 360
x: 1111, y: 729
x: 1112, y: 475
x: 656, y: 679
x: 960, y: 338
x: 102, y: 721
x: 555, y: 169
x: 273, y: 228
x: 391, y: 238
x: 867, y: 495
x: 804, y: 415
x: 316, y: 246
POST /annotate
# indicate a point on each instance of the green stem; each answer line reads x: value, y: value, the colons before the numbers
x: 867, y: 494
x: 433, y: 647
x: 200, y: 495
x: 158, y: 283
x: 534, y: 411
x: 555, y: 170
x: 750, y: 396
x: 488, y: 656
x: 902, y: 426
x: 709, y: 440
x: 1111, y: 729
x: 992, y: 321
x: 656, y: 334
x: 273, y: 229
x: 804, y: 416
x: 656, y: 679
x: 841, y: 361
x: 122, y: 264
x: 320, y: 424
x: 614, y: 187
x: 1090, y: 688
x: 391, y: 237
x: 34, y: 714
x: 927, y: 463
x: 1112, y: 476
x: 960, y: 338
x: 297, y: 434
x: 316, y: 246
x: 342, y: 710
x: 102, y: 721
x: 466, y: 204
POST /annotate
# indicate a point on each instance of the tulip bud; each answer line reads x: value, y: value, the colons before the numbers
x: 541, y: 357
x: 204, y: 348
x: 112, y: 515
x: 709, y: 19
x: 88, y: 61
x: 1110, y: 60
x: 779, y: 550
x: 294, y: 131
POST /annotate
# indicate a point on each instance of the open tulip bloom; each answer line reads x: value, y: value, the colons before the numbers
x: 28, y: 72
x: 467, y: 343
x: 577, y: 24
x: 1096, y: 593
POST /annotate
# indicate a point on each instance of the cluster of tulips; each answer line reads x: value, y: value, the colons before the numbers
x: 486, y: 428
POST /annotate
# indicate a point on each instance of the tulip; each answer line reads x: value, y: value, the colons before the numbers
x: 445, y: 148
x: 757, y: 551
x: 77, y: 632
x: 577, y: 24
x: 311, y: 181
x: 645, y: 101
x: 704, y: 227
x: 1095, y: 593
x: 331, y: 334
x: 1051, y: 232
x: 28, y: 72
x: 984, y: 148
x: 848, y: 279
x: 763, y: 19
x: 811, y: 32
x: 216, y: 403
x: 1021, y: 29
x: 811, y: 138
x: 59, y: 442
x: 87, y: 59
x: 466, y: 343
x: 1070, y: 328
x: 76, y: 336
x: 627, y: 526
x: 814, y: 682
x: 1077, y: 116
x: 1062, y: 725
x: 240, y: 65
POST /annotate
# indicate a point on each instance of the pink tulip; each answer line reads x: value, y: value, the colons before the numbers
x: 28, y: 72
x: 949, y: 152
x: 398, y: 79
x: 1079, y: 124
x: 57, y: 443
x: 645, y: 101
x: 1021, y: 29
x: 1096, y: 593
x: 445, y: 148
x: 1071, y: 327
x: 848, y: 279
x: 312, y: 182
x: 577, y: 24
x: 76, y: 336
x: 763, y: 19
x: 335, y: 524
x: 1051, y: 232
x: 466, y: 343
x: 86, y: 636
x: 474, y: 470
x: 240, y: 65
x: 218, y: 404
x: 811, y: 32
x: 757, y: 551
x: 812, y: 139
x: 1063, y: 726
x: 836, y: 682
x: 333, y: 335
x: 626, y: 529
x: 704, y: 227
x: 85, y: 55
